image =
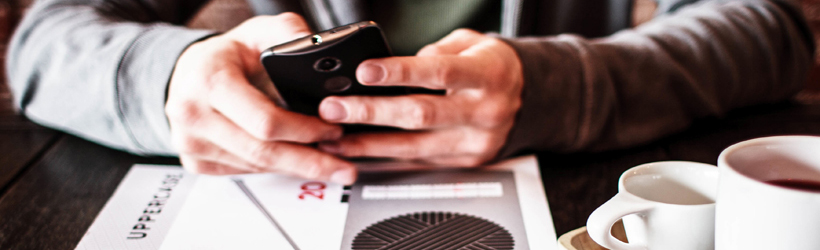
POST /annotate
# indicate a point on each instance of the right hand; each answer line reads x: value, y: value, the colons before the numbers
x: 221, y: 124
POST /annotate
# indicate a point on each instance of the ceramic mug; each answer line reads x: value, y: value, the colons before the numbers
x: 769, y: 194
x: 664, y: 205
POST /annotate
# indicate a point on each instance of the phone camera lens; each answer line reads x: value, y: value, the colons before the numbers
x: 327, y: 64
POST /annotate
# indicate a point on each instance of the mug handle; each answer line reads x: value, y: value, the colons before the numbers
x: 601, y: 220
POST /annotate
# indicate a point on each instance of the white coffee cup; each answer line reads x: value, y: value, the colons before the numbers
x: 664, y: 205
x: 754, y: 214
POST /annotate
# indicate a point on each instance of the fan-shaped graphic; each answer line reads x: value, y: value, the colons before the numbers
x: 433, y: 230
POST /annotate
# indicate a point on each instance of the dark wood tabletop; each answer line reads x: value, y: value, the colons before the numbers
x: 54, y: 184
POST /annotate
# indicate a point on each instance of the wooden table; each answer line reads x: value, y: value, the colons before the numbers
x: 52, y: 185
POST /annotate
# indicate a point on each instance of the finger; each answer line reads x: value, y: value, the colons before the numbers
x: 412, y: 112
x: 262, y: 32
x: 194, y: 165
x: 204, y: 150
x: 432, y: 72
x: 274, y: 156
x: 251, y: 110
x: 461, y: 161
x: 453, y: 43
x: 417, y: 145
x: 400, y: 145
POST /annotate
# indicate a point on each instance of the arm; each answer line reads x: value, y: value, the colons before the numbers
x: 99, y: 69
x: 567, y: 93
x: 641, y: 84
x: 102, y: 72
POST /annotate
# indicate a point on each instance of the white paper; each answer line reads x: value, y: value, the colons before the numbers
x: 213, y: 212
x: 218, y: 215
x: 118, y: 225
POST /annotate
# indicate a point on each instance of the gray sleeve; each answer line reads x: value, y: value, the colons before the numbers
x: 100, y: 69
x: 641, y: 84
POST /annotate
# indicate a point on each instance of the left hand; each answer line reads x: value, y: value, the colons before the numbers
x: 466, y: 127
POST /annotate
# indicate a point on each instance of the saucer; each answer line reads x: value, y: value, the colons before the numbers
x: 578, y: 239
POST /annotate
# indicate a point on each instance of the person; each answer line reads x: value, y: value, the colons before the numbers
x: 125, y: 74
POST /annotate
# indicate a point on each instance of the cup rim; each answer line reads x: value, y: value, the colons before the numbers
x: 622, y: 188
x: 763, y: 141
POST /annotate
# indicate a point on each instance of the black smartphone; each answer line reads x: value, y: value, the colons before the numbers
x: 306, y: 70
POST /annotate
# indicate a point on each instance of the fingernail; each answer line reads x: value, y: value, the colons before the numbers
x: 330, y: 147
x: 344, y: 176
x: 332, y: 110
x: 370, y: 73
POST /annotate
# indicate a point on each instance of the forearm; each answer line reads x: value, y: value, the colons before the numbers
x: 641, y: 84
x: 100, y: 69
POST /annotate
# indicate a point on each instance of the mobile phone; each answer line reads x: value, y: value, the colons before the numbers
x: 306, y: 70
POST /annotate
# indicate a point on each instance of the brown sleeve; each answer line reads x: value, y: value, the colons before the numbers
x: 638, y: 85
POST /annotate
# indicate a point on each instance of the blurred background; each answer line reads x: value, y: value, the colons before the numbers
x: 224, y: 14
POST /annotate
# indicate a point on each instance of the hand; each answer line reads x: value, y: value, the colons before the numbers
x: 221, y: 124
x: 467, y: 127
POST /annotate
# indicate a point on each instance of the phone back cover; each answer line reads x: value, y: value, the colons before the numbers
x: 302, y: 87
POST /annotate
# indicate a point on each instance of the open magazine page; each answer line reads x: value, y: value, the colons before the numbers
x: 393, y: 205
